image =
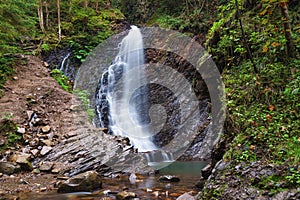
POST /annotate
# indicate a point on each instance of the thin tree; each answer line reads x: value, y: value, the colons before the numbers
x: 244, y: 37
x: 85, y: 3
x: 46, y: 4
x: 58, y: 19
x: 97, y: 5
x: 41, y: 15
x: 287, y: 29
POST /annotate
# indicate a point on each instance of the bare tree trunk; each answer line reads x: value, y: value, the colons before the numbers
x: 85, y: 3
x: 287, y: 30
x: 47, y: 13
x: 70, y: 6
x: 41, y: 16
x: 58, y: 19
x: 97, y: 5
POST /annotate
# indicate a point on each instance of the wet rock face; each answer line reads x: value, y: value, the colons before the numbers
x: 85, y: 182
x: 165, y: 97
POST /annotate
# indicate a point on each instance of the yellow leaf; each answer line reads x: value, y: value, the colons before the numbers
x: 262, y: 13
x: 275, y: 44
x: 264, y: 22
x: 265, y: 49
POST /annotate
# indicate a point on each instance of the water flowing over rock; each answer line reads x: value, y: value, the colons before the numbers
x: 126, y: 115
x: 62, y: 59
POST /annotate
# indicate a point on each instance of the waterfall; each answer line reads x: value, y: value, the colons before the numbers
x: 62, y: 65
x: 67, y: 66
x: 122, y: 92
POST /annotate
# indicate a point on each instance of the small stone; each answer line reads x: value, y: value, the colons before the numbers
x: 46, y: 129
x: 35, y: 142
x: 1, y: 174
x: 8, y: 168
x: 186, y: 196
x: 125, y: 195
x: 46, y: 166
x: 21, y: 130
x: 206, y: 171
x: 48, y: 142
x: 36, y: 171
x: 200, y: 184
x: 55, y: 170
x: 34, y: 152
x: 22, y: 181
x: 46, y: 64
x: 43, y: 189
x: 45, y: 150
x: 2, y: 142
x: 23, y: 161
x: 168, y: 178
x: 19, y: 157
x: 15, y: 78
x: 29, y: 114
x: 58, y: 167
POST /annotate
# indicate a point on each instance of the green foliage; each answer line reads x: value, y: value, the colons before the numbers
x: 293, y: 177
x: 13, y: 137
x: 17, y: 21
x: 85, y: 28
x: 6, y: 69
x: 265, y: 110
x: 8, y: 131
x: 17, y: 24
x: 263, y: 25
x: 83, y: 96
x: 61, y: 79
x: 6, y: 116
x: 193, y: 23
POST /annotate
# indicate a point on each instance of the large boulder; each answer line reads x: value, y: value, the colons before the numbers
x: 9, y: 168
x: 85, y: 182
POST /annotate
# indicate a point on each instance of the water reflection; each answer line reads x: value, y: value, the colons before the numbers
x: 145, y: 187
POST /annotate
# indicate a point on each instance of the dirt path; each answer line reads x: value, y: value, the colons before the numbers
x: 33, y: 91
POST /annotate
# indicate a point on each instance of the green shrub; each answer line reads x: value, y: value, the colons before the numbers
x: 61, y: 79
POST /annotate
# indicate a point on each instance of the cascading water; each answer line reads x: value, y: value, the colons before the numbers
x: 64, y: 66
x: 122, y: 92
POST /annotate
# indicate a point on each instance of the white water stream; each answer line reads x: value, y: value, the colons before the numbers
x: 126, y: 96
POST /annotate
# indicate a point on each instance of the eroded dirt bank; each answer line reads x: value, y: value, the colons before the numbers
x: 34, y: 102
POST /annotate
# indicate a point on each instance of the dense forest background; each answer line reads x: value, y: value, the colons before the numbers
x: 254, y: 43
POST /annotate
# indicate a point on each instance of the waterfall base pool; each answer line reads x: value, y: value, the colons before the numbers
x: 145, y: 187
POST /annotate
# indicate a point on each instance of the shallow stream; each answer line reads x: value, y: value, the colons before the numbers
x: 145, y: 187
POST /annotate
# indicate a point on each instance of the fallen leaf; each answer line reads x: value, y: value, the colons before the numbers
x: 265, y: 49
x: 271, y: 107
x: 269, y: 118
